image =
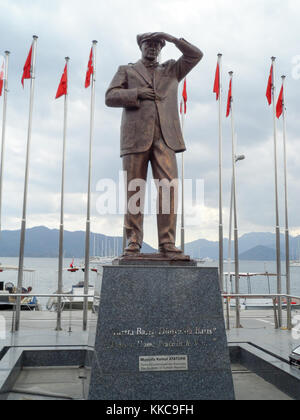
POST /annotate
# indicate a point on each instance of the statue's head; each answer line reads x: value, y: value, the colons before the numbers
x: 150, y: 46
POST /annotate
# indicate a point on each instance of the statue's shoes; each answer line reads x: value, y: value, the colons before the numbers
x: 133, y: 248
x: 169, y: 249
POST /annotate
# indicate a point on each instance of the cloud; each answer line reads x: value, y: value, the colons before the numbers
x: 248, y: 33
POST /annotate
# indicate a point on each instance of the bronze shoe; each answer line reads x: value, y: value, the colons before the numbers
x: 133, y: 248
x: 169, y: 249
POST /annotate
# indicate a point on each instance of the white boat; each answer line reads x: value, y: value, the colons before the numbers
x: 209, y: 260
x: 295, y: 264
x: 101, y: 260
x: 14, y: 268
x: 200, y: 260
x: 74, y: 303
x: 28, y: 301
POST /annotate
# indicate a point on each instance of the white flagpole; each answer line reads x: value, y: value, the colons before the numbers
x: 229, y: 261
x: 24, y: 213
x: 228, y: 277
x: 278, y: 253
x: 221, y: 232
x: 287, y: 234
x: 236, y: 236
x: 88, y: 219
x: 5, y: 88
x: 182, y: 185
x: 61, y: 229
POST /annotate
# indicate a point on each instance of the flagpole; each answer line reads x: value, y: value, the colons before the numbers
x: 236, y: 235
x: 61, y: 228
x: 237, y: 159
x: 278, y: 253
x: 287, y: 234
x: 7, y: 53
x: 228, y: 278
x: 88, y: 219
x: 24, y: 213
x: 182, y: 189
x: 124, y: 240
x: 221, y: 231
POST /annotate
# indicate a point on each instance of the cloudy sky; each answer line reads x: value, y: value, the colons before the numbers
x: 248, y: 33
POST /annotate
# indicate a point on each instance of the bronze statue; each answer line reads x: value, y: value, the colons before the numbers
x: 151, y: 131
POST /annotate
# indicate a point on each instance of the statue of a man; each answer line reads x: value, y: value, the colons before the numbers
x: 150, y: 130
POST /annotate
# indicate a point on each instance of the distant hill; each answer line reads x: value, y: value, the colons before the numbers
x: 42, y: 242
x: 258, y: 246
x: 252, y: 240
x: 259, y: 253
x: 204, y: 249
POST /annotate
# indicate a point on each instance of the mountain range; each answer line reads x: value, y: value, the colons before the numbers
x: 42, y: 242
x: 253, y: 246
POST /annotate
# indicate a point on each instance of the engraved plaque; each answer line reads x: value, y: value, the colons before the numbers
x: 163, y: 363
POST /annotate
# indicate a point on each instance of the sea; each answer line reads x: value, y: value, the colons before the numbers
x: 44, y: 278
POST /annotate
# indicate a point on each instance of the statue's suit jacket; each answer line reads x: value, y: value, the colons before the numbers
x: 138, y: 121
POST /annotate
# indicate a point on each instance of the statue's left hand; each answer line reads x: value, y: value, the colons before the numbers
x: 164, y: 36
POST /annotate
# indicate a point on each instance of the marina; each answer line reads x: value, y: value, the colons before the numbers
x: 57, y: 363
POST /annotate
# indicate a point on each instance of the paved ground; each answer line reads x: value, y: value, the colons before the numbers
x: 48, y: 384
x: 259, y: 329
x: 66, y: 384
x: 38, y: 328
x: 250, y: 387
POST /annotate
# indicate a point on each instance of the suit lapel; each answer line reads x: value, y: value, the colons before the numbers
x: 142, y: 71
x: 157, y: 75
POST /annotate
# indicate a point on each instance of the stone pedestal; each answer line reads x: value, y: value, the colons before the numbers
x: 161, y: 336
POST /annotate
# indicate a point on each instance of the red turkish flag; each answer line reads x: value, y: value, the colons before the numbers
x: 63, y: 86
x: 229, y: 99
x: 279, y: 107
x: 1, y: 78
x: 184, y: 97
x: 217, y: 83
x: 270, y: 86
x: 27, y: 67
x: 90, y: 70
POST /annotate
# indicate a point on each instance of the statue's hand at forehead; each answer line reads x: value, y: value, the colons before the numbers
x: 164, y: 36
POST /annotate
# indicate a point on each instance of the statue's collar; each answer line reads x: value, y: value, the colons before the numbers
x: 150, y: 64
x: 144, y: 73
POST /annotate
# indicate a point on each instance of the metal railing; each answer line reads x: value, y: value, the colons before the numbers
x: 277, y: 301
x: 277, y: 306
x: 17, y: 309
